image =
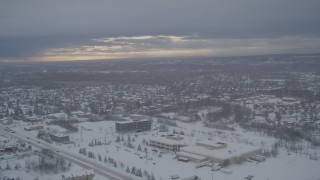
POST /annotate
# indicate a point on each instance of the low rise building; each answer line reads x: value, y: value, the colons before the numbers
x: 222, y: 153
x: 192, y: 157
x: 133, y: 126
x: 171, y: 143
x: 31, y: 128
x: 217, y: 145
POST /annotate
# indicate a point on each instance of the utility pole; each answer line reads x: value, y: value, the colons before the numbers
x: 81, y: 135
x: 146, y: 156
x: 212, y: 171
x: 105, y: 136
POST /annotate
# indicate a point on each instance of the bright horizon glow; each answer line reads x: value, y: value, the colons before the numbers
x: 172, y: 46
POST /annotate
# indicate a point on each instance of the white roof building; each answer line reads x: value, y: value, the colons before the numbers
x: 225, y: 154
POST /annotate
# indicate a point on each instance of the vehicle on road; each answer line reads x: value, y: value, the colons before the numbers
x: 216, y: 168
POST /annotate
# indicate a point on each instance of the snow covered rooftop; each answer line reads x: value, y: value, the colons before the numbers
x: 130, y: 121
x: 59, y: 134
x: 193, y: 156
x: 231, y: 150
x: 168, y: 141
x: 211, y: 144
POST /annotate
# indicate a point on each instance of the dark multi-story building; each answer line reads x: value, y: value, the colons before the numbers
x: 133, y: 126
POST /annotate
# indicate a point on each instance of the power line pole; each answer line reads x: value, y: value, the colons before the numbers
x: 146, y: 156
x: 81, y: 135
x: 105, y: 136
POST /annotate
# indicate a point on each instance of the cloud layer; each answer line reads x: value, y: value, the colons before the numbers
x: 169, y: 46
x: 38, y: 29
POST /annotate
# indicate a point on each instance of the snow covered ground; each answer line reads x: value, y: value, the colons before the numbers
x: 14, y: 166
x: 287, y: 165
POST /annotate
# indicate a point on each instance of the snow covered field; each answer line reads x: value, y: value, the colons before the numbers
x: 14, y: 166
x: 102, y: 139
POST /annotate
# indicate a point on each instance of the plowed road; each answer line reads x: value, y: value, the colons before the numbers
x: 78, y: 159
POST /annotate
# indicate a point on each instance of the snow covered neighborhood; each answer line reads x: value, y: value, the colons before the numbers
x: 250, y: 118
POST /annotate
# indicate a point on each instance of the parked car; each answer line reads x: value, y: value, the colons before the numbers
x: 216, y: 168
x: 175, y: 177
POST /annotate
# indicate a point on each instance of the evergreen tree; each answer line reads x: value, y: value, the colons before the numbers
x: 8, y: 167
x: 17, y: 166
x: 139, y: 173
x: 152, y: 177
x: 128, y: 169
x: 133, y: 170
x: 174, y: 131
x: 145, y: 173
x: 139, y: 148
x: 110, y: 160
x: 118, y: 139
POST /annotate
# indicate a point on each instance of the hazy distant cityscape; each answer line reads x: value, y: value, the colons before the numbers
x: 201, y: 114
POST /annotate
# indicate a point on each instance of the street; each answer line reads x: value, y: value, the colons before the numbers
x: 74, y: 158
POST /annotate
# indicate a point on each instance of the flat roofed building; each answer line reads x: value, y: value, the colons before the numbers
x: 230, y: 154
x: 167, y: 143
x: 211, y: 145
x: 192, y: 157
x: 133, y: 126
x: 174, y: 137
x: 137, y: 117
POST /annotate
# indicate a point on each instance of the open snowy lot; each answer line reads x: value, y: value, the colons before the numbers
x: 100, y: 139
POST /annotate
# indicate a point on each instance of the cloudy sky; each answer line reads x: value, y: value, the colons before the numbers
x: 56, y: 30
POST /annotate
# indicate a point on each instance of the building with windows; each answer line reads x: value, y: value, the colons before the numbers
x: 171, y: 143
x: 133, y: 126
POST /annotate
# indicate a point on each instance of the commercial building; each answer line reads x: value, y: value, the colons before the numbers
x: 218, y: 152
x: 133, y: 126
x: 171, y: 143
x: 31, y: 128
x: 217, y: 145
x: 59, y: 138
